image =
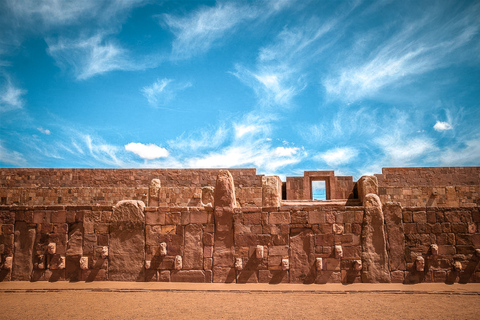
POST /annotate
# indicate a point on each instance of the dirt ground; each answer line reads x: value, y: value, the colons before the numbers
x: 235, y: 305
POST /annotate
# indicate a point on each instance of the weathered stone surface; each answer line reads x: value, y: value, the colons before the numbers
x: 23, y: 259
x: 302, y: 258
x: 193, y: 251
x: 395, y: 235
x: 127, y: 242
x: 153, y: 192
x: 224, y: 190
x: 271, y: 191
x: 208, y: 196
x: 366, y: 185
x: 75, y: 239
x: 223, y: 274
x: 128, y: 211
x: 374, y: 252
x: 188, y: 276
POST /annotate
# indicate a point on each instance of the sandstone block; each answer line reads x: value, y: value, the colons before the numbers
x: 271, y: 191
x: 395, y: 235
x: 374, y: 252
x: 193, y: 251
x: 24, y: 244
x: 224, y: 190
x: 366, y: 185
x: 188, y: 276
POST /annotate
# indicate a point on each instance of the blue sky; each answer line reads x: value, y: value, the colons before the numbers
x: 282, y: 86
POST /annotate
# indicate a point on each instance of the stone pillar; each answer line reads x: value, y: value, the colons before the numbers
x: 224, y: 250
x: 374, y: 251
x: 271, y: 191
x: 23, y: 255
x: 396, y: 240
x: 127, y: 242
x: 366, y: 185
x: 153, y: 192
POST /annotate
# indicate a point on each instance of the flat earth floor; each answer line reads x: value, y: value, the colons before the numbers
x: 193, y: 301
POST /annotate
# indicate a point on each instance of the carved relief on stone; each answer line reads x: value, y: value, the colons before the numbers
x: 238, y: 264
x: 434, y: 249
x: 357, y: 265
x: 259, y: 252
x: 477, y: 252
x: 104, y: 252
x: 285, y: 264
x: 40, y: 264
x: 178, y: 263
x: 420, y: 264
x: 52, y: 248
x: 319, y: 264
x: 338, y: 252
x: 8, y: 263
x: 163, y: 249
x: 84, y: 263
x: 338, y: 228
x: 457, y: 266
x: 148, y: 264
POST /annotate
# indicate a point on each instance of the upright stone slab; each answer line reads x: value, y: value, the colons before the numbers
x: 193, y: 252
x: 153, y: 192
x: 302, y: 257
x: 23, y: 255
x: 271, y: 191
x: 366, y: 185
x: 127, y: 242
x: 374, y: 251
x: 223, y: 255
x: 395, y: 235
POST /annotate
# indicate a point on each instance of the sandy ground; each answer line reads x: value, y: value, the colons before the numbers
x: 236, y: 305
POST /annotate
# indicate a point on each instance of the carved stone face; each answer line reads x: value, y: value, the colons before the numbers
x: 84, y: 263
x: 178, y: 262
x: 285, y: 264
x: 61, y: 263
x: 163, y: 249
x: 434, y: 249
x: 259, y: 252
x: 104, y: 252
x: 338, y: 252
x: 52, y: 248
x: 457, y: 266
x: 357, y: 265
x: 238, y: 264
x: 420, y: 264
x: 319, y: 264
x: 148, y: 264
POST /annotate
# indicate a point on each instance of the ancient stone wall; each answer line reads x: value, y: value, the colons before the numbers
x: 228, y: 231
x: 431, y: 187
x: 180, y: 187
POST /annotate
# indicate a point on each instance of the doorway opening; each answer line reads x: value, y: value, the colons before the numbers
x: 319, y: 190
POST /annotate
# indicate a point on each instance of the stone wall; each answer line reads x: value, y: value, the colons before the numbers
x: 320, y: 243
x: 180, y: 187
x: 432, y: 187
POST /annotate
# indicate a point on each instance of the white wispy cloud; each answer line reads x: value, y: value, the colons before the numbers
x: 198, y: 32
x: 102, y: 153
x: 338, y: 156
x: 12, y: 157
x: 44, y: 131
x: 401, y: 151
x: 93, y: 56
x: 442, y: 126
x: 147, y: 151
x: 468, y: 153
x: 200, y: 140
x: 11, y: 97
x: 162, y: 91
x: 50, y: 13
x: 416, y: 49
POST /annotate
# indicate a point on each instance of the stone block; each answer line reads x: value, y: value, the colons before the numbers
x: 188, y: 276
x: 193, y: 250
x: 279, y: 217
x: 224, y: 274
x: 154, y: 217
x: 24, y: 243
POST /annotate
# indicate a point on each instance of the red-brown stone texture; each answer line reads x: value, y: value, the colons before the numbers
x: 207, y: 219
